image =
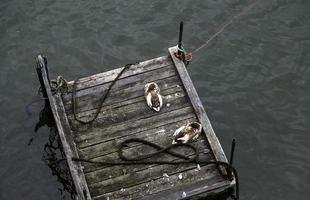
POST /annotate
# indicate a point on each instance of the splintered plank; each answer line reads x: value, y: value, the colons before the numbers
x: 157, y: 134
x: 189, y: 176
x: 108, y: 76
x: 109, y: 116
x: 93, y: 100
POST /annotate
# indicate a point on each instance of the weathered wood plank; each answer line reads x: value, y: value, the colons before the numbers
x: 161, y: 183
x: 127, y: 82
x: 137, y: 149
x: 156, y: 134
x: 109, y: 117
x: 69, y: 148
x: 108, y: 76
x: 208, y: 187
x: 125, y: 115
x: 92, y: 101
x: 101, y: 173
x: 198, y: 107
x: 99, y: 135
x: 139, y: 174
x: 87, y: 114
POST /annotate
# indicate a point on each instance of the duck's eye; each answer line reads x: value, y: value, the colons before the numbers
x: 195, y: 125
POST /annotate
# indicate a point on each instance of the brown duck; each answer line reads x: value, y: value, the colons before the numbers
x: 153, y: 98
x: 187, y: 133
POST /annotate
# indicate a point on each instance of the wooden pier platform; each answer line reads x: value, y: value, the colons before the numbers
x: 125, y: 115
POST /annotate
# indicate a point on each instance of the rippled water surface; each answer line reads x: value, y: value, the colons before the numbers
x: 253, y: 79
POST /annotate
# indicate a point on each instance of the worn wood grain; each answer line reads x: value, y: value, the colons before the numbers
x: 66, y: 138
x: 101, y: 173
x: 164, y: 132
x: 136, y: 111
x: 127, y: 82
x: 126, y: 176
x: 123, y: 175
x: 125, y: 115
x: 108, y: 76
x: 166, y: 93
x: 161, y: 183
x: 198, y: 107
x: 214, y: 185
x: 138, y: 149
x: 93, y: 101
x: 99, y: 135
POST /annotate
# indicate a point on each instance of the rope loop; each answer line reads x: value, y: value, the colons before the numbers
x: 168, y: 149
x: 160, y: 149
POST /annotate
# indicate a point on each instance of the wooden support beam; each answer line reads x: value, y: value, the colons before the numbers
x: 198, y: 107
x: 65, y: 133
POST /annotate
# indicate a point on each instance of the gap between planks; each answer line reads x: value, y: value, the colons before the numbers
x: 125, y: 82
x: 99, y: 173
x: 110, y: 75
x: 93, y: 101
x: 109, y: 116
x: 151, y: 134
x: 89, y: 167
x: 160, y: 183
x: 99, y: 135
x: 139, y: 176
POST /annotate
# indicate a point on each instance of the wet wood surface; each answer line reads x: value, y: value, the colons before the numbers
x: 125, y: 115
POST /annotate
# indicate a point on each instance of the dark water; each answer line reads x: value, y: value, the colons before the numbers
x: 254, y: 81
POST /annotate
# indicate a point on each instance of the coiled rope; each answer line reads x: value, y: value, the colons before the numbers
x: 141, y: 160
x: 168, y: 149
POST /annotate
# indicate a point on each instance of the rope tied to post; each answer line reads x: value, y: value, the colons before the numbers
x: 183, y: 55
x: 187, y: 57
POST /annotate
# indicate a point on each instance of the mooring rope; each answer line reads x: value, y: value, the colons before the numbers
x: 95, y: 116
x: 141, y: 160
x: 223, y: 27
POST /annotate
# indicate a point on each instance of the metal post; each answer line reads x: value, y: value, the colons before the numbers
x: 232, y: 151
x: 180, y: 38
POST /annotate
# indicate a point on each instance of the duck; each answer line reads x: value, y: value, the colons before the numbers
x: 187, y: 133
x: 153, y: 98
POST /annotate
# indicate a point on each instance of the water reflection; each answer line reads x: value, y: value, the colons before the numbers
x: 53, y: 154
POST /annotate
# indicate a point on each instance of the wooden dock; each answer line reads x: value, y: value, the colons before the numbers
x: 125, y: 115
